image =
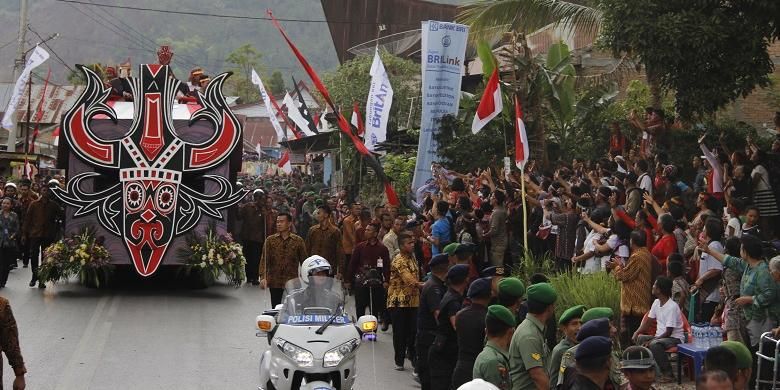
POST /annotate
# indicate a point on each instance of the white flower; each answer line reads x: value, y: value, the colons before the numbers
x: 83, y: 262
x: 203, y: 258
x: 72, y: 259
x: 203, y: 264
x: 220, y: 261
x: 83, y: 246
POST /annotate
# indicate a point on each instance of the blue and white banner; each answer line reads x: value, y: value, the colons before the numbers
x: 380, y: 98
x: 443, y: 52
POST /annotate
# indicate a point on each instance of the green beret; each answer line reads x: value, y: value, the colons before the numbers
x: 502, y: 314
x: 744, y: 357
x: 597, y: 312
x: 571, y: 313
x: 543, y: 293
x: 512, y: 287
x: 319, y: 202
x: 449, y: 249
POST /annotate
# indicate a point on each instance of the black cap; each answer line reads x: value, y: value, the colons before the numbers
x: 441, y: 258
x: 593, y: 347
x: 478, y: 287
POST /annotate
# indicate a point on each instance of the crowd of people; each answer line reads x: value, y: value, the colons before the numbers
x: 679, y: 239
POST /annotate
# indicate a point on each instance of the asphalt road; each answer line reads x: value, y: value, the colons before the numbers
x: 155, y: 336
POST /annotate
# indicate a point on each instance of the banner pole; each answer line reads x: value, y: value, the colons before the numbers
x: 525, y: 210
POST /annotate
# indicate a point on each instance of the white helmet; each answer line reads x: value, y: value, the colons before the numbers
x: 312, y: 265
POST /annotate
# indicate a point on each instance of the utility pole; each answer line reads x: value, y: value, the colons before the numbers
x: 19, y: 62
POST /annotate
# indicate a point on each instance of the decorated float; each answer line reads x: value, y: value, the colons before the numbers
x: 149, y: 177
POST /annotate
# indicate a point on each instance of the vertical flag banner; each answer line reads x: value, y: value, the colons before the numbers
x: 443, y: 51
x: 268, y: 106
x: 380, y: 99
x: 521, y: 138
x: 37, y: 57
x: 490, y: 105
x: 357, y: 121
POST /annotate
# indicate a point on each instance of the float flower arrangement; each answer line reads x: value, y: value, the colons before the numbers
x: 81, y: 255
x: 213, y: 255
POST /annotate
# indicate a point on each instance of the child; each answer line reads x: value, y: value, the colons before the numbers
x: 680, y: 286
x: 733, y: 223
x: 751, y: 223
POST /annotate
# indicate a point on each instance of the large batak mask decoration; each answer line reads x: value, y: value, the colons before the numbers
x: 149, y: 205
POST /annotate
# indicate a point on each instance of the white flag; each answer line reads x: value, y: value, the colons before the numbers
x: 380, y: 98
x: 267, y: 102
x: 37, y: 57
x: 295, y: 115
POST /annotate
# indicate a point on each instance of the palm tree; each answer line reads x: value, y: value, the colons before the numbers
x: 488, y: 18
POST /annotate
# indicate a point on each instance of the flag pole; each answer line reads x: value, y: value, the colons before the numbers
x: 525, y: 210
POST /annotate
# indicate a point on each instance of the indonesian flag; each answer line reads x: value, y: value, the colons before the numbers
x: 490, y: 105
x: 521, y: 139
x: 56, y: 135
x: 284, y: 162
x: 357, y: 121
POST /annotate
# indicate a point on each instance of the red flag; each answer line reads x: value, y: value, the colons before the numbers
x: 490, y: 105
x: 392, y: 198
x: 56, y: 135
x: 39, y: 114
x: 357, y: 120
x: 284, y: 162
x: 521, y: 138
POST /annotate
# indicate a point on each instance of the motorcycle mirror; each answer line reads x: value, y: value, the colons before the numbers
x: 265, y: 323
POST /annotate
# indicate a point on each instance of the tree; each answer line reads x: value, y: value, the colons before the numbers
x: 491, y: 18
x: 708, y: 53
x: 350, y: 82
x: 276, y: 84
x: 243, y: 60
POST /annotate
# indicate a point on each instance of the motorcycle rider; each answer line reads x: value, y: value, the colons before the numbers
x: 315, y: 290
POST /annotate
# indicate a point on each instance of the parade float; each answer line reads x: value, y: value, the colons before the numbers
x: 148, y: 174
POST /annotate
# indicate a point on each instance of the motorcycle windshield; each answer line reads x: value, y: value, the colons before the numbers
x: 313, y: 302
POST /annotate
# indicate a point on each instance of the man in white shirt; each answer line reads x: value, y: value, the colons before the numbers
x: 391, y: 238
x: 644, y: 182
x: 669, y: 327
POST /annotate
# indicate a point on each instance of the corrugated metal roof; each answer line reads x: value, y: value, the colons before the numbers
x: 57, y: 100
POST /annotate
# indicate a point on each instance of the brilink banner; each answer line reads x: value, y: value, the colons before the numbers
x: 443, y: 52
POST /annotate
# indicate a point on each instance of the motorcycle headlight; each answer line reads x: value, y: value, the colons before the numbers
x: 333, y: 357
x: 300, y: 356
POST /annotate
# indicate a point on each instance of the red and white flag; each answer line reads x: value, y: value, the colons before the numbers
x: 521, y: 138
x: 357, y: 121
x: 490, y: 105
x: 56, y: 135
x: 284, y: 162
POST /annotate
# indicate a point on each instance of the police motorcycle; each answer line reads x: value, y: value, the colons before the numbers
x: 313, y: 341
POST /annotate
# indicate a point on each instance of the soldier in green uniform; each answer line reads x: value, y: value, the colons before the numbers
x: 568, y: 357
x: 570, y: 324
x: 510, y: 295
x: 528, y: 351
x: 492, y: 364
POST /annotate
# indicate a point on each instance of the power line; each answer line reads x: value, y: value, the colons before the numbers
x: 194, y: 13
x: 50, y: 49
x: 118, y: 30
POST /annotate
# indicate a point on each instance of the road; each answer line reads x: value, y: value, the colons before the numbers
x: 155, y: 337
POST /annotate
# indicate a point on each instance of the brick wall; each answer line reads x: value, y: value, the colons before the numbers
x: 755, y: 109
